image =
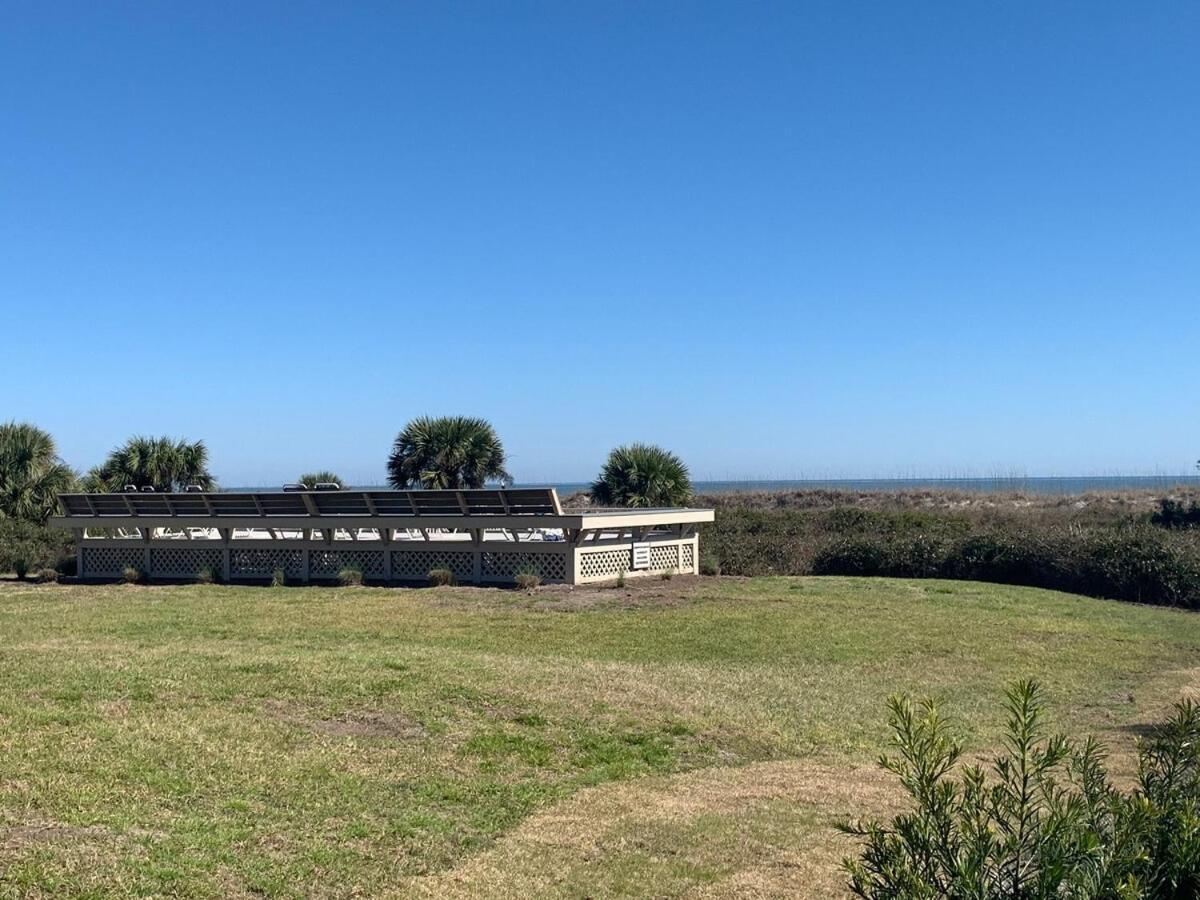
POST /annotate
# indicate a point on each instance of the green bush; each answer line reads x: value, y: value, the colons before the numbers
x: 1176, y: 514
x: 1123, y: 559
x: 1043, y: 821
x: 441, y: 577
x: 131, y: 575
x: 208, y: 575
x: 278, y: 578
x: 35, y: 546
x: 350, y: 577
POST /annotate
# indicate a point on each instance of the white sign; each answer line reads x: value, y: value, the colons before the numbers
x: 641, y: 556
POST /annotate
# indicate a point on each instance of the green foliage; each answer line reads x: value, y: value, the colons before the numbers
x: 34, y: 547
x: 1042, y: 822
x: 131, y: 575
x: 350, y: 577
x: 312, y: 479
x: 441, y: 577
x: 1122, y: 560
x: 31, y: 474
x: 1176, y: 514
x: 20, y: 566
x: 642, y: 475
x: 161, y: 463
x: 447, y: 452
x: 278, y: 578
x: 208, y: 575
x: 620, y: 579
x: 710, y: 565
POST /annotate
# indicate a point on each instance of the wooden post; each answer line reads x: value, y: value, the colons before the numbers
x: 226, y: 568
x: 385, y: 538
x: 477, y: 535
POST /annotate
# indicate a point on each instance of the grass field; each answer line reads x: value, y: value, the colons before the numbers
x: 686, y: 737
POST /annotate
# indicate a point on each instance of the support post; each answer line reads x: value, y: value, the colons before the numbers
x: 477, y: 535
x: 147, y: 533
x: 226, y: 568
x: 385, y: 538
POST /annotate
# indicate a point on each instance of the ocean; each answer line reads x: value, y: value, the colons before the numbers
x: 1067, y: 484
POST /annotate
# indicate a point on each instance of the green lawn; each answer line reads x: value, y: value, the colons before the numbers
x: 691, y: 735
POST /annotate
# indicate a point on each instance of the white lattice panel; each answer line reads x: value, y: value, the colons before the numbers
x: 111, y: 560
x: 183, y: 562
x: 507, y: 564
x: 327, y: 563
x: 687, y: 558
x: 664, y: 557
x: 255, y: 563
x: 603, y: 563
x: 417, y: 564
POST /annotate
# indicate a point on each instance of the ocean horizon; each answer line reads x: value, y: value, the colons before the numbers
x: 1046, y: 484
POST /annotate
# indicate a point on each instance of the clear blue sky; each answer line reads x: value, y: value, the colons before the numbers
x: 783, y: 239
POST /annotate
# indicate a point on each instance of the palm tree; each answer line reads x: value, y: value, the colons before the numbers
x: 312, y: 479
x: 446, y: 452
x: 160, y: 463
x: 31, y: 474
x: 642, y: 475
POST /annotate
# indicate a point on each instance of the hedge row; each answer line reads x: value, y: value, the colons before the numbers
x: 1130, y: 561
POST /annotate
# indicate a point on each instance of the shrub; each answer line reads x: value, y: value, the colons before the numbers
x: 710, y: 565
x: 441, y: 577
x: 46, y: 576
x: 278, y: 578
x: 667, y: 575
x: 350, y: 577
x: 20, y: 565
x: 621, y: 579
x: 1176, y: 514
x: 1044, y: 821
x: 208, y: 575
x: 528, y: 577
x: 131, y: 575
x: 36, y: 546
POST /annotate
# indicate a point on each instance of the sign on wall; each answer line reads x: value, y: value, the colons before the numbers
x: 641, y: 556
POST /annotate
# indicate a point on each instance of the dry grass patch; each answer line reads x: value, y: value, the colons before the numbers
x: 758, y: 830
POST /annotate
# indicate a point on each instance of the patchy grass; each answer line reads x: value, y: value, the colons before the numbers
x: 696, y: 735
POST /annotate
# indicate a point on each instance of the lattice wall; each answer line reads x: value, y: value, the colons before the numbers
x: 256, y: 563
x: 664, y: 557
x: 327, y: 563
x: 98, y: 561
x: 687, y: 558
x: 507, y: 564
x: 597, y: 564
x: 183, y: 562
x: 416, y: 564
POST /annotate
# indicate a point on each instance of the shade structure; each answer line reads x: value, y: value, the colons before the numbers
x: 482, y: 536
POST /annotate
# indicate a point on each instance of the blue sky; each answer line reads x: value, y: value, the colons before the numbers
x: 785, y: 240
